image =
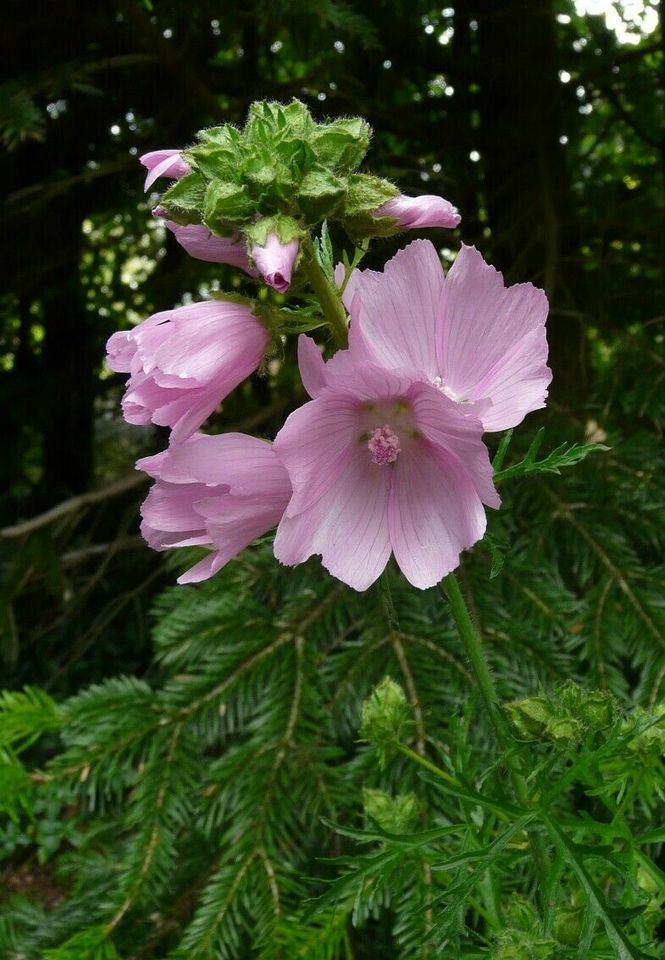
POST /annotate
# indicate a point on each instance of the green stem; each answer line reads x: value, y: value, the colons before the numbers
x: 327, y: 295
x: 427, y: 764
x: 476, y: 655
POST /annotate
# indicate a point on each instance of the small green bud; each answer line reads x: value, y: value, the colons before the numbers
x: 598, y: 710
x: 385, y: 717
x: 530, y: 717
x: 321, y: 194
x: 394, y: 814
x: 341, y: 145
x: 564, y: 728
x: 520, y: 913
x: 568, y: 927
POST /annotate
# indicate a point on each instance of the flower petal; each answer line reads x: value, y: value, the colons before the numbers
x: 395, y: 312
x: 511, y: 366
x: 347, y: 526
x: 312, y: 366
x: 315, y: 446
x: 434, y: 513
x: 201, y: 244
x: 418, y: 212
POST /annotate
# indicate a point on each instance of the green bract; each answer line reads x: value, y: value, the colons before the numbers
x: 284, y: 166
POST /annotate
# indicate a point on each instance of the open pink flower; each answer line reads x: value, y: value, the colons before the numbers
x: 163, y: 163
x: 480, y: 343
x: 275, y: 261
x: 415, y: 213
x: 219, y: 491
x: 380, y: 461
x: 183, y: 362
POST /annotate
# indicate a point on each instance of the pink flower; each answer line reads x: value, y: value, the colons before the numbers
x: 201, y: 244
x: 221, y: 491
x: 275, y: 261
x: 183, y: 362
x: 414, y: 213
x: 380, y: 462
x: 163, y: 163
x: 480, y: 343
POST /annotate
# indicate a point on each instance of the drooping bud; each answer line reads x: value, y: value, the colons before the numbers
x: 163, y: 163
x: 415, y: 213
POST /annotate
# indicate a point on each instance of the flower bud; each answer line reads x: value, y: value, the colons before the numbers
x: 385, y: 717
x: 415, y: 213
x: 394, y: 814
x: 530, y: 717
x: 163, y: 163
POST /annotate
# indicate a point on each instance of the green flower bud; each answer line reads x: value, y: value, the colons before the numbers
x: 530, y: 717
x: 385, y: 717
x: 394, y: 814
x: 183, y: 200
x: 226, y: 202
x: 568, y: 927
x: 598, y: 710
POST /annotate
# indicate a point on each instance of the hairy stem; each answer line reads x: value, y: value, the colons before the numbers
x: 327, y: 295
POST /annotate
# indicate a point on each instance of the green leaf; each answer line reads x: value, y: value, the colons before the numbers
x: 325, y: 254
x: 90, y: 944
x: 321, y: 194
x: 26, y: 715
x: 342, y: 144
x: 565, y: 455
x: 609, y: 915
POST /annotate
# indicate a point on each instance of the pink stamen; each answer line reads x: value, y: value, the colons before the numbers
x: 383, y: 445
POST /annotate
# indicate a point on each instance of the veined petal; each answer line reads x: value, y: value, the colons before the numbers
x: 347, y: 526
x: 396, y: 311
x: 315, y: 446
x: 418, y: 212
x: 312, y: 366
x: 444, y: 423
x: 492, y: 342
x: 434, y: 514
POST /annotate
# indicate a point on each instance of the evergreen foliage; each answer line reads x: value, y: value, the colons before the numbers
x: 219, y: 806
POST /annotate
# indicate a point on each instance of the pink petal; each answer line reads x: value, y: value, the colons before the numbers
x: 434, y: 513
x: 202, y: 570
x: 394, y: 313
x: 201, y: 244
x: 510, y: 368
x: 312, y: 366
x: 443, y: 423
x: 315, y: 445
x: 234, y: 522
x: 163, y: 163
x: 348, y: 526
x: 245, y: 466
x: 418, y: 212
x: 275, y: 261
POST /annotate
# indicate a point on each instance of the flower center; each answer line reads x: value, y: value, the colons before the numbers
x: 383, y: 445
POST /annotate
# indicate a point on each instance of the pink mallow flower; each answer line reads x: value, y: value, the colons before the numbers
x: 480, y: 343
x: 275, y: 261
x: 218, y: 491
x: 380, y: 462
x: 183, y: 362
x: 415, y: 213
x: 163, y: 163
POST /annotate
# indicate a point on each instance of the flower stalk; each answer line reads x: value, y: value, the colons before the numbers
x: 328, y: 298
x: 474, y: 649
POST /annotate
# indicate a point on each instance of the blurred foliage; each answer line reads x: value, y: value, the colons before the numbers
x: 183, y: 826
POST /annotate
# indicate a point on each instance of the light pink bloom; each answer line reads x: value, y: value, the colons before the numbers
x: 219, y: 491
x: 415, y: 213
x: 380, y: 461
x: 275, y: 261
x: 183, y: 362
x: 163, y: 163
x: 482, y: 344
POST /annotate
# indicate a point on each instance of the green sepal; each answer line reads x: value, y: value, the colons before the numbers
x: 183, y: 201
x: 286, y: 228
x: 214, y: 159
x: 342, y: 144
x: 321, y: 194
x: 226, y: 202
x: 367, y: 193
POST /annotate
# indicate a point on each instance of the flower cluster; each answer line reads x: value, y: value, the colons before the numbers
x: 388, y: 455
